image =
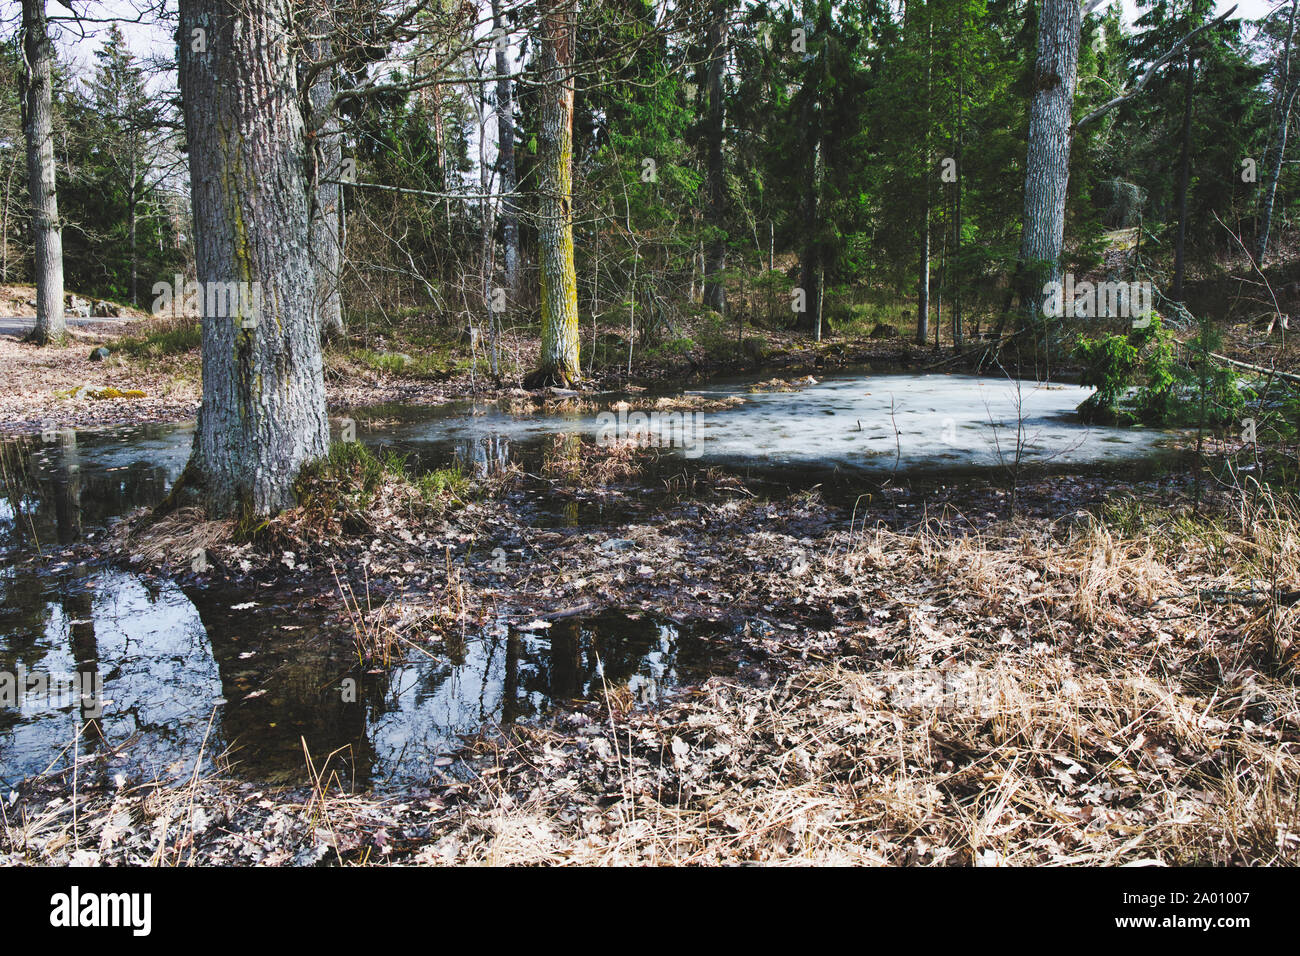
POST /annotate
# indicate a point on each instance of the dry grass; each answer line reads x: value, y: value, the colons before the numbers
x: 587, y: 464
x: 1051, y: 767
x: 1067, y: 722
x: 1047, y: 693
x: 185, y: 536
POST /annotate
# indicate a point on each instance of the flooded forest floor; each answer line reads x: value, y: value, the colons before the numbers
x: 1074, y: 666
x: 1103, y: 673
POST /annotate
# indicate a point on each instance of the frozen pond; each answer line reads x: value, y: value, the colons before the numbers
x: 922, y: 424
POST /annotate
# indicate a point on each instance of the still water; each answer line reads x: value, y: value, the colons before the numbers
x: 249, y: 678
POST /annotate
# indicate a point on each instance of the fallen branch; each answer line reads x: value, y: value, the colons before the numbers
x: 1287, y: 376
x: 575, y: 611
x: 1248, y: 598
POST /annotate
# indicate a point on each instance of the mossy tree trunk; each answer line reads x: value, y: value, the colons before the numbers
x: 263, y: 413
x: 558, y: 362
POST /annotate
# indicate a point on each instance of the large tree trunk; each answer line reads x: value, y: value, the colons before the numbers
x: 1184, y: 177
x: 38, y: 126
x: 812, y: 268
x: 923, y: 272
x: 715, y: 294
x: 558, y: 362
x: 958, y: 332
x: 506, y: 157
x: 326, y: 169
x: 1047, y: 167
x: 132, y: 201
x: 263, y: 412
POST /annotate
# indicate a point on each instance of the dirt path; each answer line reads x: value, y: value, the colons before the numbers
x: 20, y: 325
x: 62, y: 387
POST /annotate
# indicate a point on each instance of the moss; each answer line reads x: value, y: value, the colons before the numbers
x: 109, y: 392
x: 348, y: 482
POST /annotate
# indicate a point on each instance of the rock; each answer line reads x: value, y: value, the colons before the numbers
x: 106, y: 310
x: 78, y: 307
x: 99, y: 354
x: 617, y: 544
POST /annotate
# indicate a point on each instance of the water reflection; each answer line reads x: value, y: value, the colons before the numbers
x: 57, y: 486
x: 264, y: 677
x: 259, y: 682
x: 188, y: 669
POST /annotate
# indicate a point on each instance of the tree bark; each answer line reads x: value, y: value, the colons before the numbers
x: 1286, y: 93
x: 715, y: 294
x: 132, y: 201
x: 506, y: 159
x: 1274, y: 174
x: 811, y: 267
x: 559, y: 356
x: 1047, y: 166
x: 263, y: 412
x: 958, y: 332
x: 38, y: 126
x: 923, y: 266
x: 1184, y: 176
x: 327, y: 173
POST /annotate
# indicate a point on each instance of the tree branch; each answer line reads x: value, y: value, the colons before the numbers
x: 1151, y: 71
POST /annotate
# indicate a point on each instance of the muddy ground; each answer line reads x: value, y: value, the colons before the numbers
x: 1103, y: 676
x: 55, y: 387
x: 1099, y: 672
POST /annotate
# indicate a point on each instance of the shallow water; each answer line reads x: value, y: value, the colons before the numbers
x: 920, y: 425
x: 187, y: 670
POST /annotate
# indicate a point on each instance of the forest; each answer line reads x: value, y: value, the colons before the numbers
x: 652, y: 432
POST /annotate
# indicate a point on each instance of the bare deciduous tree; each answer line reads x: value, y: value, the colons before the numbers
x: 38, y: 127
x: 263, y: 412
